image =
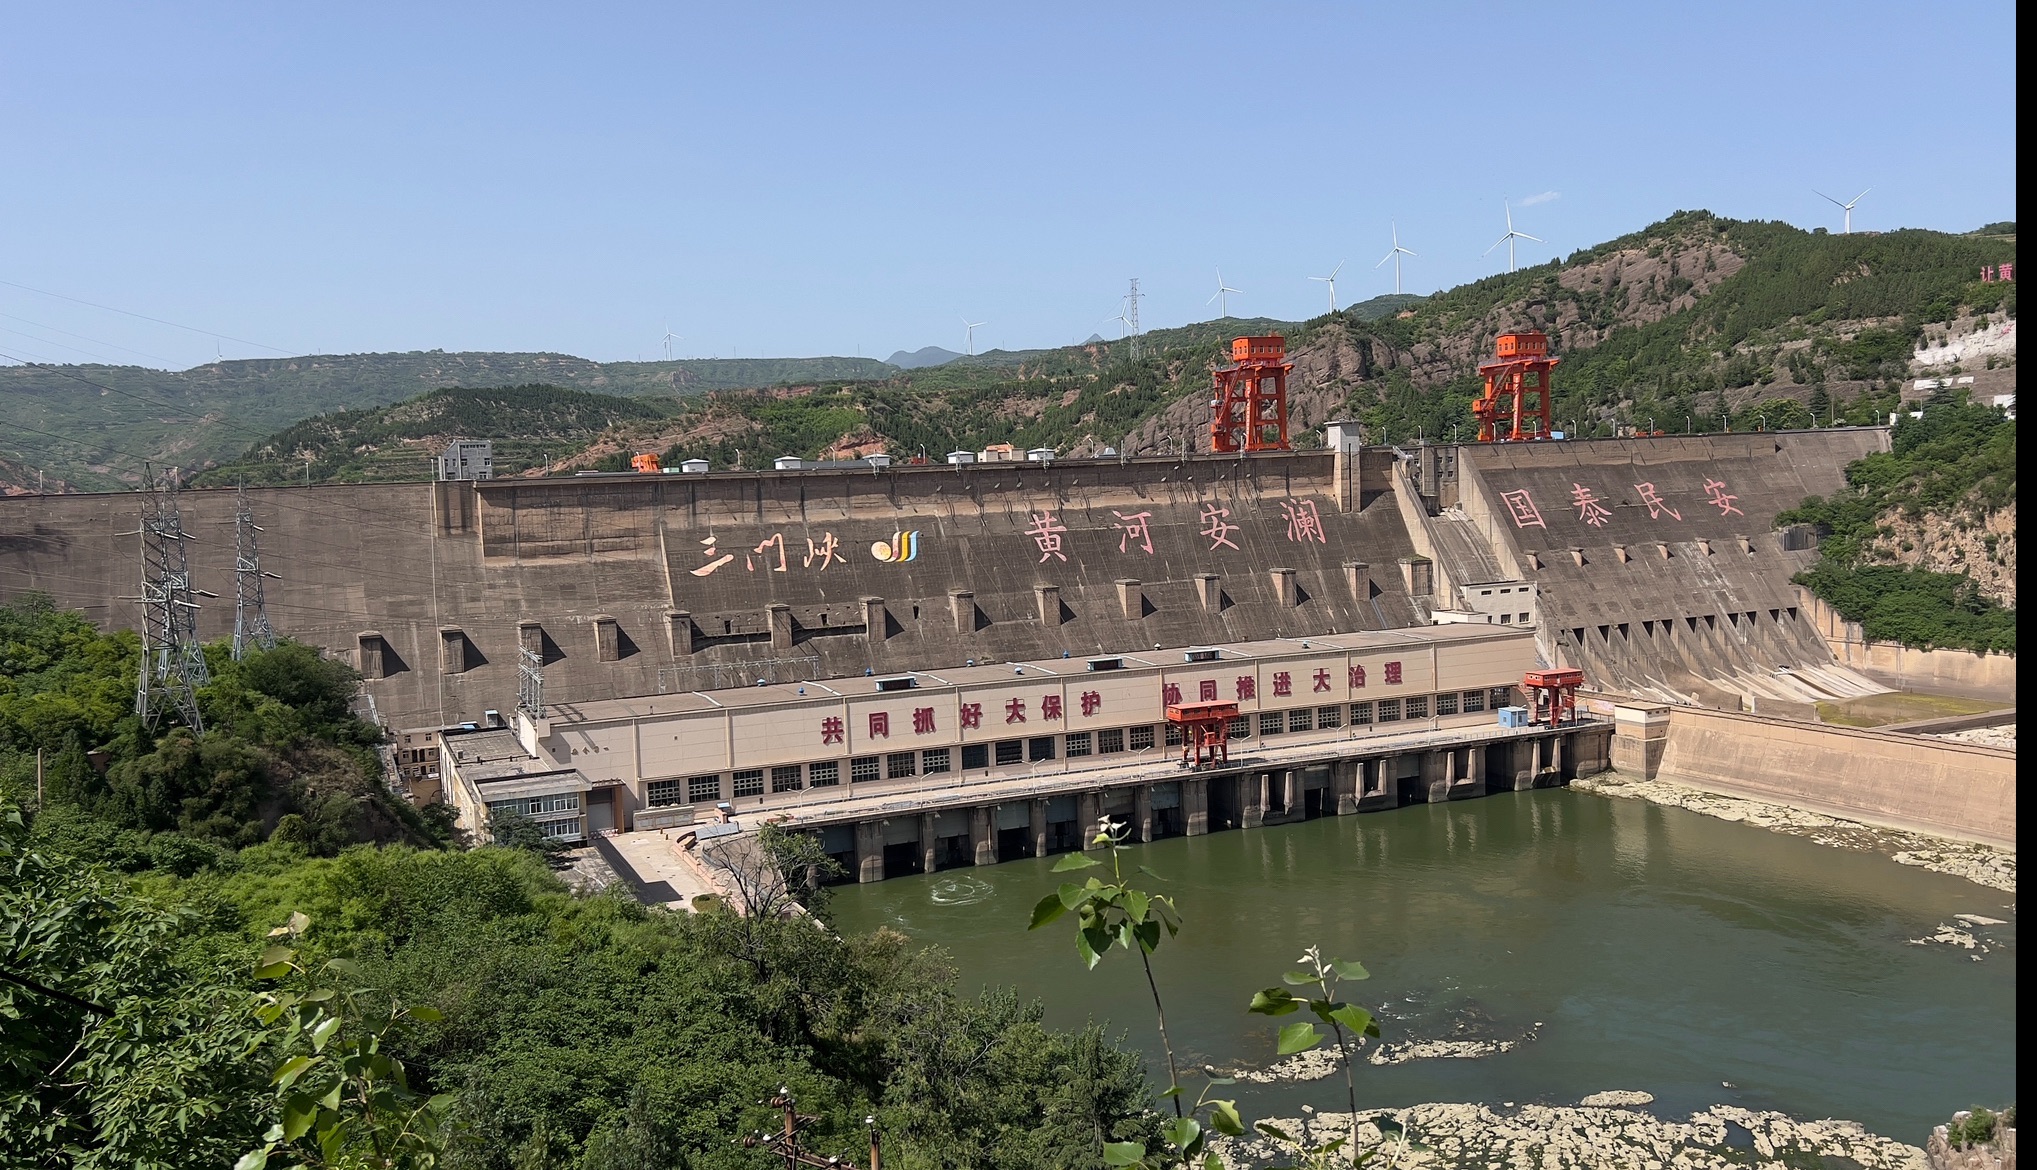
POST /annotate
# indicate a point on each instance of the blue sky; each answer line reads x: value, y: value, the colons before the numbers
x: 794, y: 180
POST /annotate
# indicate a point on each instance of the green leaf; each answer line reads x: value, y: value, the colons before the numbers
x: 426, y: 1014
x: 253, y: 1160
x: 1148, y: 934
x: 318, y: 996
x: 1299, y: 1038
x: 1072, y: 895
x: 1090, y: 943
x: 1182, y: 1133
x: 1048, y: 909
x: 1223, y: 1117
x: 1349, y: 970
x: 1212, y: 1161
x: 1123, y: 1153
x: 1135, y: 905
x: 288, y: 1072
x: 299, y: 1112
x: 1075, y: 861
x: 1274, y: 1001
x: 1298, y: 978
x: 344, y: 967
x: 323, y: 1032
x: 272, y: 971
x: 1273, y: 1131
x: 1355, y: 1018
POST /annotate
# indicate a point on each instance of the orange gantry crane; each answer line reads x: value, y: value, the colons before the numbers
x: 1251, y: 397
x: 1515, y: 404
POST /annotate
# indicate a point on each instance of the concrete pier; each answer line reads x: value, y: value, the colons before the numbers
x: 1333, y: 779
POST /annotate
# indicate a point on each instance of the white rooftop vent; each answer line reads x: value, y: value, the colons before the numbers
x: 693, y: 466
x: 788, y: 463
x: 961, y: 456
x: 901, y: 683
x: 1202, y: 654
x: 879, y: 460
x: 1040, y: 455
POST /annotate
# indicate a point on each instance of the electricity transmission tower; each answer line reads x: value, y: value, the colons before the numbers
x: 250, y: 615
x: 172, y: 661
x: 1132, y: 316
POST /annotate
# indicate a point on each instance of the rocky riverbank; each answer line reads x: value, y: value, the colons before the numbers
x: 1976, y: 863
x: 1590, y: 1137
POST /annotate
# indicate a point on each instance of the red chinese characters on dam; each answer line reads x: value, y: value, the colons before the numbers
x: 1593, y: 507
x: 776, y: 552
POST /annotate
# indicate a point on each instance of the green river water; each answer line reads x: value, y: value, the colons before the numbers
x: 1622, y: 945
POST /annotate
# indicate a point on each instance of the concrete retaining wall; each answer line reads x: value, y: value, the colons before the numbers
x: 1957, y: 672
x: 1953, y: 790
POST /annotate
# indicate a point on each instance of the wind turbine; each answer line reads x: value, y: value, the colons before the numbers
x: 1510, y: 237
x: 1331, y: 280
x: 1399, y: 251
x: 972, y: 327
x: 668, y: 339
x: 1845, y: 207
x: 1221, y: 293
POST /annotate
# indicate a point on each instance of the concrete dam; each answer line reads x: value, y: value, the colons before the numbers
x: 906, y: 658
x: 631, y: 585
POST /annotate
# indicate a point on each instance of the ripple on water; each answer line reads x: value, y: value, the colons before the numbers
x: 964, y: 890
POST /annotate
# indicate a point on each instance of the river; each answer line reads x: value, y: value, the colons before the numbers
x: 1619, y: 945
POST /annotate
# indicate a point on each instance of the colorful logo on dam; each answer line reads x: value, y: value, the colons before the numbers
x: 902, y: 547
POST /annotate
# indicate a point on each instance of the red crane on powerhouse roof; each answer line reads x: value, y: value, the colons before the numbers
x: 1515, y: 404
x: 1251, y: 397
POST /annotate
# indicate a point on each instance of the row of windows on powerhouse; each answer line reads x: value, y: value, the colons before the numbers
x: 939, y: 761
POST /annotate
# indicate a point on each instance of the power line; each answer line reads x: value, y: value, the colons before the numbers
x: 81, y: 337
x: 145, y: 317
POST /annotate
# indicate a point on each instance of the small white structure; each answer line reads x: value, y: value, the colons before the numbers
x: 467, y: 459
x: 788, y: 463
x: 959, y: 457
x: 879, y: 460
x: 1040, y: 455
x: 1344, y: 434
x: 693, y: 466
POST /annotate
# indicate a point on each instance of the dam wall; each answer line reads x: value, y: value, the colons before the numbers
x: 636, y: 584
x: 1957, y: 672
x: 1945, y: 789
x: 1660, y: 570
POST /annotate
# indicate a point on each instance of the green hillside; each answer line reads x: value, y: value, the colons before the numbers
x: 528, y: 424
x: 1694, y: 322
x: 92, y: 425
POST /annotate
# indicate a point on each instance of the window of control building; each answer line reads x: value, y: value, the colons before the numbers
x: 1241, y: 727
x: 1141, y: 738
x: 749, y: 782
x: 975, y: 755
x: 863, y: 768
x: 825, y: 775
x: 1361, y: 714
x: 1474, y: 701
x: 1446, y: 704
x: 1010, y: 751
x: 1329, y: 717
x: 785, y: 778
x: 934, y: 761
x: 1078, y: 744
x: 1110, y: 741
x: 659, y: 793
x: 1272, y: 723
x: 703, y: 789
x: 1389, y: 710
x: 1040, y: 748
x: 899, y: 765
x: 1418, y: 707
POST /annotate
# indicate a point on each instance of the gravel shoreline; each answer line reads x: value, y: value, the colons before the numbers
x: 1588, y: 1137
x: 1979, y: 864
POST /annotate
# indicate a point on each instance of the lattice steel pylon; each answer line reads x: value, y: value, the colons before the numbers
x: 530, y: 683
x: 250, y: 614
x: 172, y: 660
x: 1132, y: 316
